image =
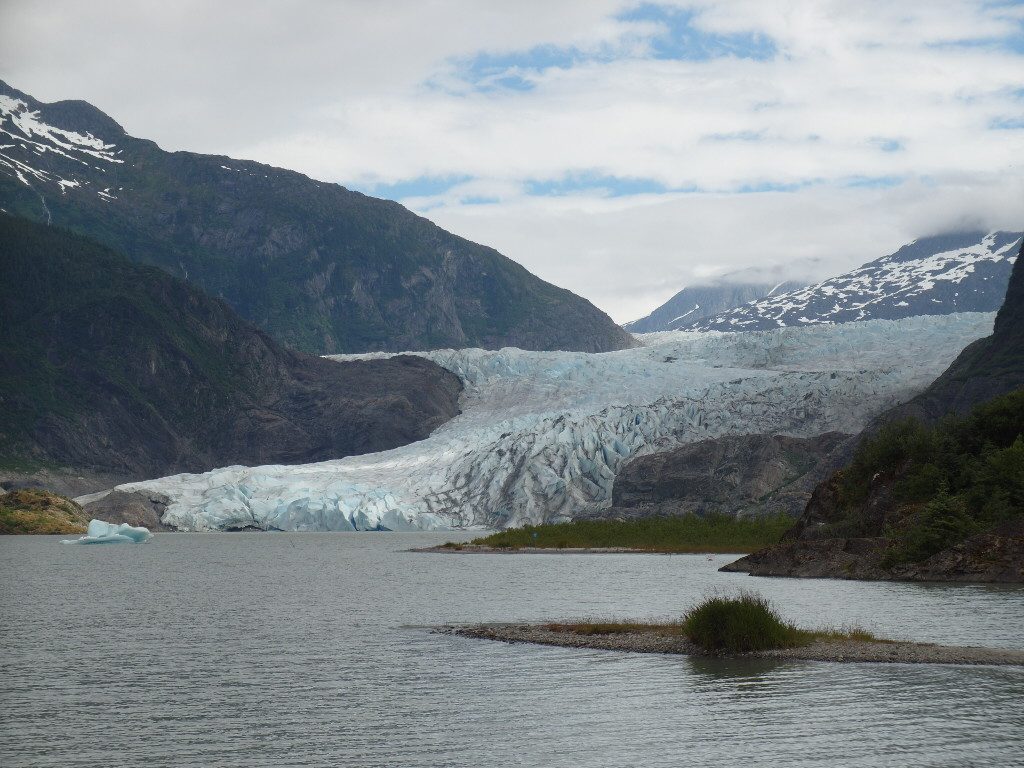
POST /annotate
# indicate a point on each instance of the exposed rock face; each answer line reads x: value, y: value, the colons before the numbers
x: 118, y: 368
x: 831, y: 539
x: 995, y: 556
x: 319, y: 267
x: 132, y: 508
x: 697, y: 302
x: 740, y: 475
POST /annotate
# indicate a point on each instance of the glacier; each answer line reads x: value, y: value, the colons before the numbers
x: 541, y: 434
x: 101, y: 532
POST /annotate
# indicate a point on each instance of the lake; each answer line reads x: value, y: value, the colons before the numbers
x: 311, y: 650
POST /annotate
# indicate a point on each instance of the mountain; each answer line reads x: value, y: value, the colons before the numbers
x: 963, y: 272
x: 543, y: 435
x: 112, y: 366
x: 700, y: 301
x: 319, y: 267
x: 935, y: 490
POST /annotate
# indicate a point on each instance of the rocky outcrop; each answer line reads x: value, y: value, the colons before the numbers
x: 36, y: 511
x: 319, y: 267
x: 136, y: 509
x: 996, y: 556
x: 842, y: 538
x: 113, y: 368
x: 741, y: 475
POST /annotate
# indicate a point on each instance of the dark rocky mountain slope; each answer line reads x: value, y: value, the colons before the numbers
x: 928, y: 496
x: 961, y: 272
x: 740, y: 475
x: 321, y: 268
x: 119, y: 368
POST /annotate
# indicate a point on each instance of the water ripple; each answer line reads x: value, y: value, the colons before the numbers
x: 309, y: 650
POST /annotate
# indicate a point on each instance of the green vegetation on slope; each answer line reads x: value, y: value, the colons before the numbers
x: 686, y: 533
x: 36, y: 511
x: 948, y: 482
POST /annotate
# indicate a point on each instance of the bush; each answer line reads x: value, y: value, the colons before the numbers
x: 942, y: 523
x: 738, y: 625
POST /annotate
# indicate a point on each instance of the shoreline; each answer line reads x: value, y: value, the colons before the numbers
x: 483, y: 549
x: 830, y: 650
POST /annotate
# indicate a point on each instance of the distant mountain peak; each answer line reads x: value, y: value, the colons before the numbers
x: 957, y: 272
x: 28, y: 142
x: 708, y: 298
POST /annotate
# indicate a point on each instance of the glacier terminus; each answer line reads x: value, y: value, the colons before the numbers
x: 541, y: 434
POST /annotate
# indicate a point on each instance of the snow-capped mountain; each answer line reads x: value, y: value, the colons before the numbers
x: 963, y: 272
x: 46, y: 158
x: 695, y: 302
x: 542, y: 434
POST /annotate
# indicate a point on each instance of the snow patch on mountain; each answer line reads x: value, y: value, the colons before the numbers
x: 955, y: 273
x: 542, y: 434
x: 32, y: 136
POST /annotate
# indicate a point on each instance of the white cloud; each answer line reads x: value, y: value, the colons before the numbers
x: 365, y: 93
x: 630, y: 254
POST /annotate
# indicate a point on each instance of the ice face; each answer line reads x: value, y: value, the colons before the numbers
x: 100, y: 532
x: 542, y: 434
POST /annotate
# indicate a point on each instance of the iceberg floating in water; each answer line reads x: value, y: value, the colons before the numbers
x: 101, y: 532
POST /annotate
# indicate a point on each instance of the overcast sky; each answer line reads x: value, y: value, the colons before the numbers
x: 619, y: 149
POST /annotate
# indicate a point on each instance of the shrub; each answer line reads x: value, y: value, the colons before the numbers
x: 942, y: 523
x: 738, y: 625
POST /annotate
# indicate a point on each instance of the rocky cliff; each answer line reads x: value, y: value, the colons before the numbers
x: 927, y: 497
x: 321, y: 268
x: 113, y: 367
x: 740, y: 475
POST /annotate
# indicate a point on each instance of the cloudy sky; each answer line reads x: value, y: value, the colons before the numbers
x: 619, y: 149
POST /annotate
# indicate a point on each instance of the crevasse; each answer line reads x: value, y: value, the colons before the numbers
x: 542, y: 434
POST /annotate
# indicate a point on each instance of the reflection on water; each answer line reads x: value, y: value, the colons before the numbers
x: 752, y: 671
x: 308, y: 650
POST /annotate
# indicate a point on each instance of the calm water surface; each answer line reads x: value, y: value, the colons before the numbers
x: 308, y: 650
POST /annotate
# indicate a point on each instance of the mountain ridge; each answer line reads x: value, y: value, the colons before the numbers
x: 117, y: 367
x: 322, y: 268
x: 956, y: 272
x: 698, y: 301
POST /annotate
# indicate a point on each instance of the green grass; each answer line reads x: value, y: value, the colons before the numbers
x: 686, y: 533
x: 725, y: 625
x: 40, y: 512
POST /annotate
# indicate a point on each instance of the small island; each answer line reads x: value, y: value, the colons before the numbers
x: 683, y: 534
x: 746, y: 626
